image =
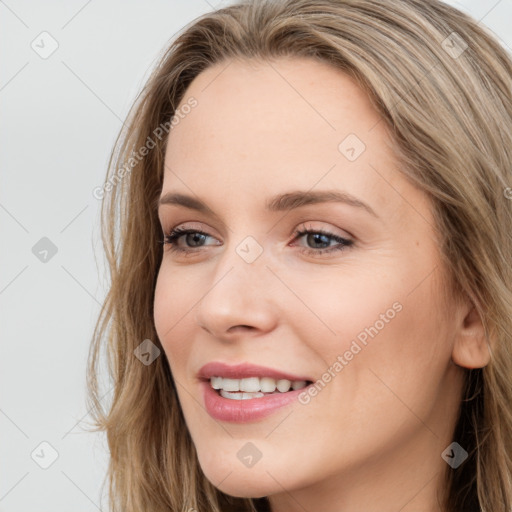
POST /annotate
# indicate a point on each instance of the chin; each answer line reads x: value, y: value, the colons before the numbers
x: 241, y: 482
x: 240, y: 489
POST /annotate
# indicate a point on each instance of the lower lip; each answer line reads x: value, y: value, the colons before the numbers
x: 244, y: 411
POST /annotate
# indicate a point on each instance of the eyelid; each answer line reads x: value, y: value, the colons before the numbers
x: 333, y: 230
x: 186, y: 225
x: 303, y: 225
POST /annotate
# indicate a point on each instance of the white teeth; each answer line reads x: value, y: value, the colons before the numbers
x: 231, y: 384
x: 240, y: 396
x: 252, y: 387
x: 251, y: 384
x: 216, y: 382
x: 298, y: 384
x: 283, y: 385
x: 267, y: 385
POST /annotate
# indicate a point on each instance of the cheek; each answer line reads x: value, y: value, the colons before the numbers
x: 162, y: 307
x: 387, y: 338
x: 170, y: 317
x: 395, y: 350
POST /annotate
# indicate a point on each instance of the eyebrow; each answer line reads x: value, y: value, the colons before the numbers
x: 278, y: 203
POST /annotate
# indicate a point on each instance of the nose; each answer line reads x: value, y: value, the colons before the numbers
x: 239, y: 301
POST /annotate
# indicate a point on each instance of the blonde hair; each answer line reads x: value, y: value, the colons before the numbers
x: 449, y: 110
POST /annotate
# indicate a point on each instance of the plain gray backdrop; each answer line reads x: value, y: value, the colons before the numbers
x: 69, y: 73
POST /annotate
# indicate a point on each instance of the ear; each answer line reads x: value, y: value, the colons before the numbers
x: 471, y: 349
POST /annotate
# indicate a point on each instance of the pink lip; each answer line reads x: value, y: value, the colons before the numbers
x: 244, y: 370
x: 244, y: 411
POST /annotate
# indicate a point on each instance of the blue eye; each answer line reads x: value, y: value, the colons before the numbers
x: 195, y: 238
x: 173, y: 237
x: 319, y: 236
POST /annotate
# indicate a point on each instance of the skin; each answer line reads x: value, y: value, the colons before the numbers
x: 372, y: 438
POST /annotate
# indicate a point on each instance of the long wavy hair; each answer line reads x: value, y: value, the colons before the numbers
x: 442, y: 83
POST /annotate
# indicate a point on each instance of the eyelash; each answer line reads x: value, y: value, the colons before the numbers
x: 176, y: 233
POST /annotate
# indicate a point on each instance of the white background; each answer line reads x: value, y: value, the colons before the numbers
x: 59, y: 119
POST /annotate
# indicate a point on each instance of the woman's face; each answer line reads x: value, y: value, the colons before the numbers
x: 364, y: 320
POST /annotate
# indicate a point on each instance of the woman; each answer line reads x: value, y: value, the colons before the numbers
x: 326, y: 324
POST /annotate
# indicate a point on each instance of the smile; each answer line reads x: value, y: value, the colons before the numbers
x: 253, y: 387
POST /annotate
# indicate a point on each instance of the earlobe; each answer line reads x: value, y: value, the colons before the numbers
x: 471, y: 349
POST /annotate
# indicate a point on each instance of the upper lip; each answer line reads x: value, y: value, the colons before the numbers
x: 244, y: 370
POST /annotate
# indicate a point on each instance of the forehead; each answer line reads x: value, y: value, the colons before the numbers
x: 270, y: 126
x: 285, y: 102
